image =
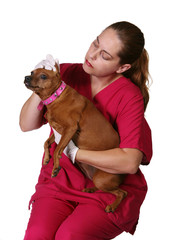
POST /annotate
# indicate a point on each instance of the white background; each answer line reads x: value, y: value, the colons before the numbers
x: 31, y: 29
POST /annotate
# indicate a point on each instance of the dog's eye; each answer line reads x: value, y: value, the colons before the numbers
x: 43, y: 77
x: 32, y: 73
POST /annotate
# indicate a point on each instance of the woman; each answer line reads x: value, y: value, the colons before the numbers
x: 114, y: 77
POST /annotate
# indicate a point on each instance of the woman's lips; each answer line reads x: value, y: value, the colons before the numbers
x: 88, y: 63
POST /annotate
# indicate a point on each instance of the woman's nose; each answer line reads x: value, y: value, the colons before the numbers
x: 93, y: 55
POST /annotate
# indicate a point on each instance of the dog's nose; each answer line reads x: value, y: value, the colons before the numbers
x: 27, y: 78
x: 27, y: 81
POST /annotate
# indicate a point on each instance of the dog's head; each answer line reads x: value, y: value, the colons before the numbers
x: 43, y: 82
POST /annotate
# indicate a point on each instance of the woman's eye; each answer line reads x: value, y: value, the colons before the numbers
x: 105, y: 57
x: 43, y: 77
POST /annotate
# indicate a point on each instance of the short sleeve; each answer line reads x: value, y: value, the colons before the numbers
x: 132, y: 127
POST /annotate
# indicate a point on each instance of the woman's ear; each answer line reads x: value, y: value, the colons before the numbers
x: 123, y: 68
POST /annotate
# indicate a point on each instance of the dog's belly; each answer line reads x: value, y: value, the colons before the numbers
x: 91, y: 141
x: 96, y: 133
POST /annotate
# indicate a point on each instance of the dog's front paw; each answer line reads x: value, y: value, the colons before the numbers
x: 55, y: 171
x: 46, y: 159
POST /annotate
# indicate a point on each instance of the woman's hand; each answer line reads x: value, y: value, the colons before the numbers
x: 70, y: 150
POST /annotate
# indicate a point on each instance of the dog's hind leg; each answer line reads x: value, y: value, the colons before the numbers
x: 47, y: 144
x: 120, y: 195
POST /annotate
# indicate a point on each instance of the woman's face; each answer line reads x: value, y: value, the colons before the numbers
x: 102, y: 59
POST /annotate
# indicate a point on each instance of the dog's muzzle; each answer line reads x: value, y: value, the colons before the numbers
x: 27, y: 80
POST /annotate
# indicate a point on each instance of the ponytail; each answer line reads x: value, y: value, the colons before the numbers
x: 139, y: 75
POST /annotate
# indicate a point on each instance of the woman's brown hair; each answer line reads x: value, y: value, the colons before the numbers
x: 134, y: 53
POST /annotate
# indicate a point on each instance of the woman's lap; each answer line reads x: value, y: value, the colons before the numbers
x: 88, y: 222
x: 53, y: 219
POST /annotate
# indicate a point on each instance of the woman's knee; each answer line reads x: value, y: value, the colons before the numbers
x: 38, y: 233
x: 73, y: 232
x: 46, y: 216
x: 70, y: 234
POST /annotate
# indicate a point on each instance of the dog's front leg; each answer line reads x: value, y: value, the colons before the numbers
x: 66, y: 137
x: 47, y: 144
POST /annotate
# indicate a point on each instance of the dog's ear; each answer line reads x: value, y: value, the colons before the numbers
x: 57, y: 66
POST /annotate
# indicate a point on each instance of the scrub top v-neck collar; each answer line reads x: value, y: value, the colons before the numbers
x: 102, y: 91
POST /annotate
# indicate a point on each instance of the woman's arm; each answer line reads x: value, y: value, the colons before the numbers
x: 116, y: 161
x: 30, y: 117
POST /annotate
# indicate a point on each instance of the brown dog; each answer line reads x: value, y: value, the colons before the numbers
x: 75, y: 117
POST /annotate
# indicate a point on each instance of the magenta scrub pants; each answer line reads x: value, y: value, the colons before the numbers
x: 53, y: 219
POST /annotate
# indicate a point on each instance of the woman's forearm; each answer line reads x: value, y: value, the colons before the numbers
x: 116, y: 161
x: 30, y: 117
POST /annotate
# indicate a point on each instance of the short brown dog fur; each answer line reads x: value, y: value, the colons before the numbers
x: 75, y: 117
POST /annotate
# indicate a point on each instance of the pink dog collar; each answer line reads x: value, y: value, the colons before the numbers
x: 52, y: 97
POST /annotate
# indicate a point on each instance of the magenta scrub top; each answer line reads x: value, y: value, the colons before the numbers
x: 122, y: 104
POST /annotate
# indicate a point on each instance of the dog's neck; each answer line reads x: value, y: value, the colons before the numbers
x: 52, y: 98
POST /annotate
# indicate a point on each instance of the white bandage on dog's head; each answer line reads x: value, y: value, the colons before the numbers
x: 48, y: 63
